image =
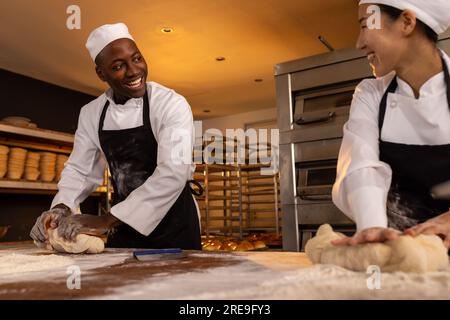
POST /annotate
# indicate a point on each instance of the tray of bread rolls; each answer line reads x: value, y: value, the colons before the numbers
x: 231, y: 244
x: 272, y: 240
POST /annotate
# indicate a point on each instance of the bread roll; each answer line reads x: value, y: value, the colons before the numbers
x: 212, y: 247
x: 259, y: 244
x: 241, y: 247
x: 230, y: 246
x: 244, y: 246
x: 248, y: 244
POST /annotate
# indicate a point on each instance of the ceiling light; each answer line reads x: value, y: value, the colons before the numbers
x: 206, y: 111
x: 259, y: 80
x: 167, y: 30
x: 220, y: 59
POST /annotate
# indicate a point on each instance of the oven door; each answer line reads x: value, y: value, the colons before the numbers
x: 322, y: 106
x: 315, y: 181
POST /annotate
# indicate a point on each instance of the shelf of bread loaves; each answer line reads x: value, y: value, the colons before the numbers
x: 31, y: 158
x: 31, y: 170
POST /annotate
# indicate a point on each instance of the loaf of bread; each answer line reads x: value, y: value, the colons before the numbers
x: 259, y: 245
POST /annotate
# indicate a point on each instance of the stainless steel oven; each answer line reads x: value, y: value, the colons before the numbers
x: 322, y: 106
x: 313, y: 99
x: 315, y: 168
x: 314, y: 181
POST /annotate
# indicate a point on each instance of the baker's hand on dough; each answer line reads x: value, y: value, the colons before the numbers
x: 369, y: 235
x: 71, y: 226
x: 48, y: 219
x: 439, y: 226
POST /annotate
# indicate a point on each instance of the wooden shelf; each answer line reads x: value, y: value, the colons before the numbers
x: 35, y: 146
x: 34, y: 187
x: 216, y: 167
x: 260, y: 184
x: 36, y: 139
x: 233, y: 208
x: 259, y: 217
x: 38, y: 134
x: 258, y: 202
x: 254, y: 166
x: 263, y: 215
x: 260, y: 210
x: 212, y: 188
x: 215, y: 178
x: 215, y: 198
x: 260, y: 229
x: 259, y: 193
x: 258, y: 177
x: 228, y: 218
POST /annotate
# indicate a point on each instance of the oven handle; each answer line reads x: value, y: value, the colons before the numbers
x: 316, y: 197
x: 303, y: 121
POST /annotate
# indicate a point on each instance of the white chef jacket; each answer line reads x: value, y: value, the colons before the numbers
x: 146, y: 206
x: 363, y: 181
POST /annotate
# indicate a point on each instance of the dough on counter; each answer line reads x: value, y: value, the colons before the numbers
x: 83, y: 244
x: 420, y: 254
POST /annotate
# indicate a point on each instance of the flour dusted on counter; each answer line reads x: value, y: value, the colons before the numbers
x: 20, y: 263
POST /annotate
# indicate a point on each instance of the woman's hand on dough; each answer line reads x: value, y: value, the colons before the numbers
x: 439, y: 226
x: 369, y: 235
x: 73, y: 225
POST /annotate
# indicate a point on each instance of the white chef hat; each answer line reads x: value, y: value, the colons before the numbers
x: 434, y: 13
x: 104, y: 35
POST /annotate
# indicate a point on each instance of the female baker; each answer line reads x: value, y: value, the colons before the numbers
x: 396, y: 144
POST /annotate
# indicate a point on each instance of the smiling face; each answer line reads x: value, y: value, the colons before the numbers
x: 385, y: 46
x: 123, y: 67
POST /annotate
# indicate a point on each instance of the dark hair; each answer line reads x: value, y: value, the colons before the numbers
x: 394, y: 13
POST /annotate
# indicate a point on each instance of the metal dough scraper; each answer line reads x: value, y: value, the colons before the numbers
x: 159, y: 254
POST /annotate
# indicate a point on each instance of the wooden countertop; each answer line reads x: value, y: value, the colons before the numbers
x: 264, y: 275
x: 115, y: 269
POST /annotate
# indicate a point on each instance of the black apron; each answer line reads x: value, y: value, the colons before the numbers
x: 415, y: 170
x: 132, y: 159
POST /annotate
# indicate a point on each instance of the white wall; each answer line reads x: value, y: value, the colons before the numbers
x: 239, y: 120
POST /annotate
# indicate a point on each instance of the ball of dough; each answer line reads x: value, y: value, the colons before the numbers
x: 83, y: 243
x: 419, y: 254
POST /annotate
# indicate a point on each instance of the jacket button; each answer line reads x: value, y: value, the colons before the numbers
x: 393, y: 104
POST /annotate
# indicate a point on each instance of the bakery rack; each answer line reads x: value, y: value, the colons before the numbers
x: 222, y: 198
x: 239, y: 198
x: 261, y: 199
